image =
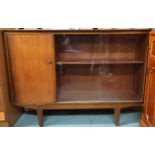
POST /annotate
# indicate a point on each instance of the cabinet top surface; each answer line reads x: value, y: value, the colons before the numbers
x: 93, y: 30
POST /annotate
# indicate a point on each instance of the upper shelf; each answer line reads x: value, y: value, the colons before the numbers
x: 99, y: 61
x: 119, y: 57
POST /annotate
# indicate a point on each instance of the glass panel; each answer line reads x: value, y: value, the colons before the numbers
x: 100, y: 68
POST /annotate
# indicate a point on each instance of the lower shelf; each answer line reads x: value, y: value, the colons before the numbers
x: 98, y: 96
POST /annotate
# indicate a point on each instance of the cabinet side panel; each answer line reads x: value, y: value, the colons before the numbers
x: 11, y: 113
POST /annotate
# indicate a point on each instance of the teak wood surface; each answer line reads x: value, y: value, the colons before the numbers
x: 148, y: 117
x: 9, y: 112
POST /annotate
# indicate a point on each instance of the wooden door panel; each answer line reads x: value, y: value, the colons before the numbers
x: 32, y: 65
x: 151, y: 57
x: 149, y: 113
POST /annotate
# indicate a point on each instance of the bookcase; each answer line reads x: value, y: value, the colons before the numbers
x: 76, y: 69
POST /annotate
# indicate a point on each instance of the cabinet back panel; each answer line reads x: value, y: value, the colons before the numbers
x: 70, y: 47
x: 33, y: 79
x: 107, y: 77
x: 150, y: 99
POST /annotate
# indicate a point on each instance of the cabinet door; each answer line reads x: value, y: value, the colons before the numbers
x: 149, y: 113
x: 32, y: 65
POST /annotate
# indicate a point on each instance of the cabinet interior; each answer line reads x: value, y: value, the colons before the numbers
x: 100, y: 68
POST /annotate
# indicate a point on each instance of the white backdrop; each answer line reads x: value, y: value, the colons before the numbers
x: 60, y: 14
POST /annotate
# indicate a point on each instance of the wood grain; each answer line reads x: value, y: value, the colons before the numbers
x: 150, y: 99
x: 11, y: 113
x: 148, y: 117
x: 32, y: 62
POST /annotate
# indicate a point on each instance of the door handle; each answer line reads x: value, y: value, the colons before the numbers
x: 49, y: 61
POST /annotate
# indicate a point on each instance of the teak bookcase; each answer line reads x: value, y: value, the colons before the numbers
x: 76, y: 69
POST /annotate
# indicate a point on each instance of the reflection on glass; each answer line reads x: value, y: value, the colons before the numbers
x: 100, y: 68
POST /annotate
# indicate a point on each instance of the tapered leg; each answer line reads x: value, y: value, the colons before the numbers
x: 117, y: 115
x: 40, y: 117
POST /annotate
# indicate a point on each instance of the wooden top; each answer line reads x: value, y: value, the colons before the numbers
x: 85, y: 31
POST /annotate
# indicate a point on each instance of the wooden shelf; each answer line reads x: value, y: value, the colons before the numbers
x: 98, y: 96
x: 99, y: 61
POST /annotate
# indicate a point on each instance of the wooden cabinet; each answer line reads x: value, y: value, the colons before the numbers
x: 31, y: 59
x: 148, y: 118
x: 80, y: 69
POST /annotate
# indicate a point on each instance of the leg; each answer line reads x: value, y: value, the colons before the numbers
x: 117, y: 115
x: 40, y: 117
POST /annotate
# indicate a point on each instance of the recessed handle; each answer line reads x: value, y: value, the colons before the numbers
x: 49, y: 61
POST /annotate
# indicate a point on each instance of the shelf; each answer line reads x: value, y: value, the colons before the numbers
x: 98, y: 96
x: 99, y: 61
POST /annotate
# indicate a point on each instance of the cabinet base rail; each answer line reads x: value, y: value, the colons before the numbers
x: 117, y: 112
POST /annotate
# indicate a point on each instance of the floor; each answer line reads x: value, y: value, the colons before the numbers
x: 80, y: 119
